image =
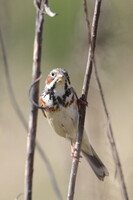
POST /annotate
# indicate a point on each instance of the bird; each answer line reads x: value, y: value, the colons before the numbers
x: 60, y: 105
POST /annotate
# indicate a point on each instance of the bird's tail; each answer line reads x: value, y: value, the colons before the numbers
x: 96, y: 164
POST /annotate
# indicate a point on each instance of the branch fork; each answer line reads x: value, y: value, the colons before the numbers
x: 44, y: 8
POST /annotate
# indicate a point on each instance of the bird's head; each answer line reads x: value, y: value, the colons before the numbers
x: 58, y: 78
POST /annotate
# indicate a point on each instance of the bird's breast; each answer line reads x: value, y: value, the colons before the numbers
x: 64, y: 121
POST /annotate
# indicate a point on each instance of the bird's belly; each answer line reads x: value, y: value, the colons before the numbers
x: 65, y: 121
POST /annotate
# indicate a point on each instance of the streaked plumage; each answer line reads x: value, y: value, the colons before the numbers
x: 62, y: 112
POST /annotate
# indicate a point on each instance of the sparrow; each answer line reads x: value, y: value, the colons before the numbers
x: 61, y: 108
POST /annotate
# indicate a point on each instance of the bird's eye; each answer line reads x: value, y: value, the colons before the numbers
x: 52, y: 74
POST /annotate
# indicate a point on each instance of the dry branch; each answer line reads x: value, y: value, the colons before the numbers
x: 34, y: 111
x: 110, y: 129
x: 22, y: 119
x: 9, y: 83
x: 41, y: 8
x: 111, y: 138
x: 85, y: 89
x: 50, y: 172
x: 87, y: 19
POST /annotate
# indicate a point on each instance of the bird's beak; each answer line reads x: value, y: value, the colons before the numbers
x: 60, y: 77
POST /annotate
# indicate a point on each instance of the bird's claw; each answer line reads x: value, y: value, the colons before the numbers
x: 73, y: 154
x: 83, y: 101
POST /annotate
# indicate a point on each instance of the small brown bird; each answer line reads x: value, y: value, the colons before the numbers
x: 61, y: 109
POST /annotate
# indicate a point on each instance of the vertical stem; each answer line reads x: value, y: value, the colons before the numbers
x: 110, y: 131
x: 34, y: 110
x: 111, y: 138
x: 22, y: 119
x: 85, y: 89
x: 92, y: 47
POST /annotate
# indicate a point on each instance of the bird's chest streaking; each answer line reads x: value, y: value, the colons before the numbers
x: 62, y: 112
x: 60, y: 104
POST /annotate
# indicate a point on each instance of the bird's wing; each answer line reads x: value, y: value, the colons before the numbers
x: 42, y: 103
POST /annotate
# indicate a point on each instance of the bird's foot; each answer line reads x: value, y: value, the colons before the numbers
x: 82, y: 100
x: 74, y: 154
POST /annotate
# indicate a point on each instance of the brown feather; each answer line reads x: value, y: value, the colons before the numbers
x: 42, y: 103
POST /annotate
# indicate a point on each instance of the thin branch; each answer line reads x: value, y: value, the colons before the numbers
x: 111, y: 138
x: 87, y: 20
x: 35, y: 95
x: 18, y: 196
x: 34, y: 111
x: 110, y: 129
x: 30, y: 95
x: 85, y: 89
x: 9, y: 83
x: 91, y: 48
x: 22, y: 119
x: 51, y: 173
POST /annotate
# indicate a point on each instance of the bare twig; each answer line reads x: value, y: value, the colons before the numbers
x: 30, y: 96
x: 51, y: 173
x: 87, y: 20
x: 110, y: 129
x: 111, y: 138
x: 42, y: 4
x: 9, y: 83
x: 23, y: 120
x: 46, y: 8
x: 34, y: 111
x: 18, y: 196
x: 85, y: 89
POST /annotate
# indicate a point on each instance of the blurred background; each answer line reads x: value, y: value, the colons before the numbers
x: 65, y: 45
